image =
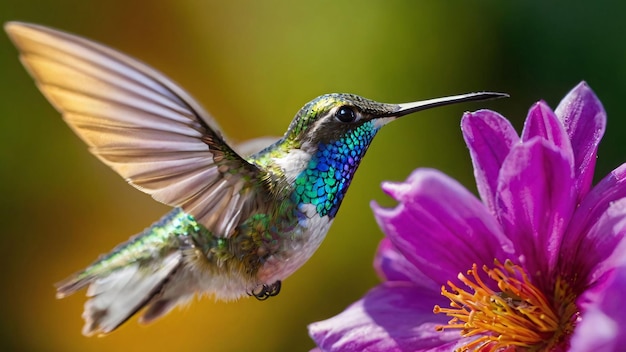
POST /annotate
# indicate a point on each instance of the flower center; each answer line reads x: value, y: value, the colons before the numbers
x: 519, y: 316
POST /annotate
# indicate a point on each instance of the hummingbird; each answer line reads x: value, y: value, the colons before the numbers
x: 244, y: 217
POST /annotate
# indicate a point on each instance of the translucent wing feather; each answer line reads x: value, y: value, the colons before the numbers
x: 142, y: 125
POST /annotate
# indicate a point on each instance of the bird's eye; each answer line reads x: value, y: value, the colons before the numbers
x: 345, y: 114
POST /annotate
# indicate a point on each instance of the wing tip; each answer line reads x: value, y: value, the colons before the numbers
x: 12, y: 25
x: 21, y: 32
x: 13, y: 28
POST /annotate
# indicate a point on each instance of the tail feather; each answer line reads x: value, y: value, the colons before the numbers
x: 161, y: 306
x: 119, y: 295
x: 72, y: 284
x: 133, y: 275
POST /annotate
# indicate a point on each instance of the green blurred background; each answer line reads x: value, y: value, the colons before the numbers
x: 253, y: 65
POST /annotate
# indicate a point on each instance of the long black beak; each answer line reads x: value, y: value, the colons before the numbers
x: 409, y: 108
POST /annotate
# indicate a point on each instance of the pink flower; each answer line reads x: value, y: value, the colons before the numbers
x: 538, y: 263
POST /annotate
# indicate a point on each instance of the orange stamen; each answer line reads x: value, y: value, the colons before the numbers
x: 519, y: 315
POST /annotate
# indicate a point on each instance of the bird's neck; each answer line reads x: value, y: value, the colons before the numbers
x: 324, y: 178
x: 315, y: 174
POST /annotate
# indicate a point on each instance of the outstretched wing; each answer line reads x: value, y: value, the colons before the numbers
x: 142, y: 125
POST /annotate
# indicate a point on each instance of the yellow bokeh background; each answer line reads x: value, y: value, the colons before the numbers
x: 253, y: 64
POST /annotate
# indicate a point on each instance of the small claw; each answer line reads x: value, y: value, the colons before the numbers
x: 274, y: 289
x: 266, y: 291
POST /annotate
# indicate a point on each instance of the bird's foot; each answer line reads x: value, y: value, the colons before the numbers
x: 263, y: 292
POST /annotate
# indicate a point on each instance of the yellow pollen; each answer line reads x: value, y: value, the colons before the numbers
x: 518, y: 316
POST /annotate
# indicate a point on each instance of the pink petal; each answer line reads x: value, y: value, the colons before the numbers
x: 599, y: 252
x: 391, y: 265
x: 542, y: 122
x: 390, y: 317
x: 592, y: 235
x: 535, y: 202
x: 603, y: 324
x: 584, y: 118
x: 440, y: 227
x: 489, y: 137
